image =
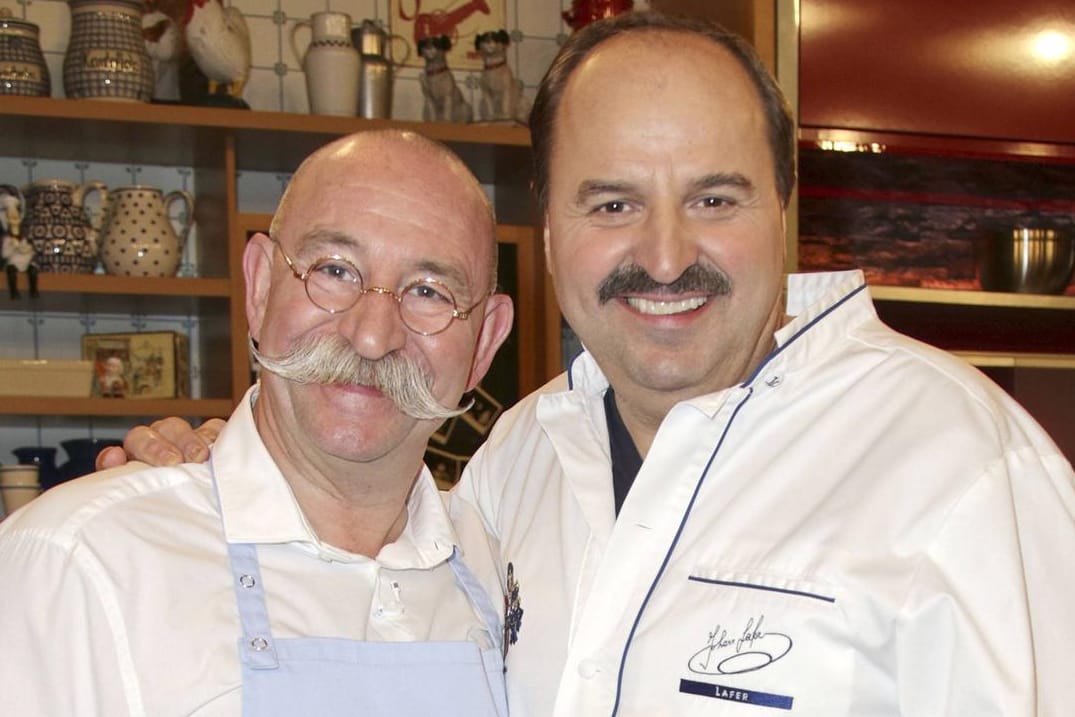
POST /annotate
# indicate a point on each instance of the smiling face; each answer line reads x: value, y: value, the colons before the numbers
x: 664, y: 226
x: 399, y: 210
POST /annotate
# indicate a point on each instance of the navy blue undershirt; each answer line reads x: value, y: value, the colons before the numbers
x: 626, y: 460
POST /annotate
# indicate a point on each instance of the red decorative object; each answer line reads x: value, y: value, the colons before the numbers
x: 583, y: 12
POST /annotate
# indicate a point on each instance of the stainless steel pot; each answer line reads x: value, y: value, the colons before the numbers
x: 1027, y: 260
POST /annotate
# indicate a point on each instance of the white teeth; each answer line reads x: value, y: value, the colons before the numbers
x: 664, y: 308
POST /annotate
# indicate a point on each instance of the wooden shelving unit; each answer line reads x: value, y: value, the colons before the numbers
x: 219, y: 144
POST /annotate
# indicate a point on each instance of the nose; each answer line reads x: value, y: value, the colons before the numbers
x: 373, y: 325
x: 667, y: 245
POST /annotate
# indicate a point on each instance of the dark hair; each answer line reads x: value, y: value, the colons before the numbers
x: 778, y: 118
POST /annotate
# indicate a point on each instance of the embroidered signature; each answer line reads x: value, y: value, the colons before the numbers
x: 751, y: 650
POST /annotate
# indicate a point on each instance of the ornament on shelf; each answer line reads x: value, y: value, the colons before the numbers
x: 165, y: 45
x: 502, y: 97
x: 443, y: 99
x: 16, y: 250
x: 219, y: 44
x: 583, y: 12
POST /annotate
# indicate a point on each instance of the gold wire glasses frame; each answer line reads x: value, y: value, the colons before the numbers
x: 334, y: 284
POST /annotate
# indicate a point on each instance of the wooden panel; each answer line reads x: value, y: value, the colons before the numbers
x: 980, y: 69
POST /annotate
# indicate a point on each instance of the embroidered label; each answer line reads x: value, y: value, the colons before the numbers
x: 733, y: 694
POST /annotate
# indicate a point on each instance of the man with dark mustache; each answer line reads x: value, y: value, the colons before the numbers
x: 748, y: 496
x: 309, y: 566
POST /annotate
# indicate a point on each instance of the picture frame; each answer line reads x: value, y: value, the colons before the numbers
x: 141, y: 365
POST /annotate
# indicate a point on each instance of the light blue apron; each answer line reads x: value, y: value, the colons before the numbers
x: 329, y: 676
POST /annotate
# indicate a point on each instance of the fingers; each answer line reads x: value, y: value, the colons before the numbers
x: 169, y: 441
x: 210, y: 429
x: 110, y: 457
x: 146, y: 444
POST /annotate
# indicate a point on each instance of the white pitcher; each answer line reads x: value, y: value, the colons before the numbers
x: 331, y: 63
x: 139, y: 238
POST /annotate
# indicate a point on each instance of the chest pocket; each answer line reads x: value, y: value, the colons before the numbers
x: 776, y: 643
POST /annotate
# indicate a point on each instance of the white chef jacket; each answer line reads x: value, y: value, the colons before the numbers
x: 867, y: 526
x: 116, y: 594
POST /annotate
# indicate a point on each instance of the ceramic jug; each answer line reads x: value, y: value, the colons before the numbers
x: 106, y: 57
x: 62, y: 232
x: 331, y: 63
x: 22, y: 65
x: 376, y: 68
x: 139, y: 238
x: 44, y: 457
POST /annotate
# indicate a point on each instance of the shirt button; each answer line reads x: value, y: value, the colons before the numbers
x: 588, y: 669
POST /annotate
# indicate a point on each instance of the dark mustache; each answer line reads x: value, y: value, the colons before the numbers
x: 633, y: 279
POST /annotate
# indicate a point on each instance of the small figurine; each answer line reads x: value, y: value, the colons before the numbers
x: 443, y: 100
x: 501, y: 94
x: 219, y: 43
x: 17, y: 251
x: 165, y: 45
x: 113, y: 380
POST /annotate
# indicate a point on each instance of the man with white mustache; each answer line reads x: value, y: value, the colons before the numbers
x: 310, y: 565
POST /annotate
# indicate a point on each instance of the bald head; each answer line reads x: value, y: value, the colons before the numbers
x: 415, y: 168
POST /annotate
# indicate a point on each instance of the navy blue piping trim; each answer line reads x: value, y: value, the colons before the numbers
x: 671, y: 549
x: 570, y: 366
x: 800, y: 332
x: 754, y: 586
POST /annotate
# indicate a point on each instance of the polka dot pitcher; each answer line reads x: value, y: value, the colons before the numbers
x: 139, y: 238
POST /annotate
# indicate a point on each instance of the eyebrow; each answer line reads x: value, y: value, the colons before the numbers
x: 722, y: 179
x: 325, y: 239
x: 596, y: 187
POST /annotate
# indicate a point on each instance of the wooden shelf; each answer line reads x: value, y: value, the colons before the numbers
x: 866, y: 140
x: 31, y: 405
x: 84, y: 130
x: 972, y: 298
x: 99, y: 293
x: 49, y: 283
x: 988, y: 359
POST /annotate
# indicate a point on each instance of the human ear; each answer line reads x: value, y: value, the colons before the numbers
x: 496, y: 325
x: 257, y: 270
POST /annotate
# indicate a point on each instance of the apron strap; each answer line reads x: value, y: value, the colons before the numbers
x: 256, y: 644
x: 479, y: 599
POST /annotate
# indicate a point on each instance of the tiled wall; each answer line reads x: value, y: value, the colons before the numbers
x: 276, y: 84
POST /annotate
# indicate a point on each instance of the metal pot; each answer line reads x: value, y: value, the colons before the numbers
x: 1027, y: 260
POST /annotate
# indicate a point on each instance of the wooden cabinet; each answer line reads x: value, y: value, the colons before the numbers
x: 990, y: 69
x: 217, y: 145
x: 920, y: 124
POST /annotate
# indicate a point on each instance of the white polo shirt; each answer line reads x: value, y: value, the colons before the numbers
x: 116, y: 595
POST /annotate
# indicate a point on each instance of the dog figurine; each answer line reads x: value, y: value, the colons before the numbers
x: 501, y: 95
x: 443, y: 100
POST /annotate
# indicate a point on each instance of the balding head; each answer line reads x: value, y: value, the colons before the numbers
x: 407, y: 162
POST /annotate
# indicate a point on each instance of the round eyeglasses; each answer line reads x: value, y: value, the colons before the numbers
x: 334, y: 284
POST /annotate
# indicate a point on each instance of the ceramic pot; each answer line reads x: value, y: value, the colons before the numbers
x: 82, y: 455
x: 138, y: 238
x: 331, y: 63
x: 106, y: 57
x: 44, y: 457
x: 63, y: 233
x: 22, y: 65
